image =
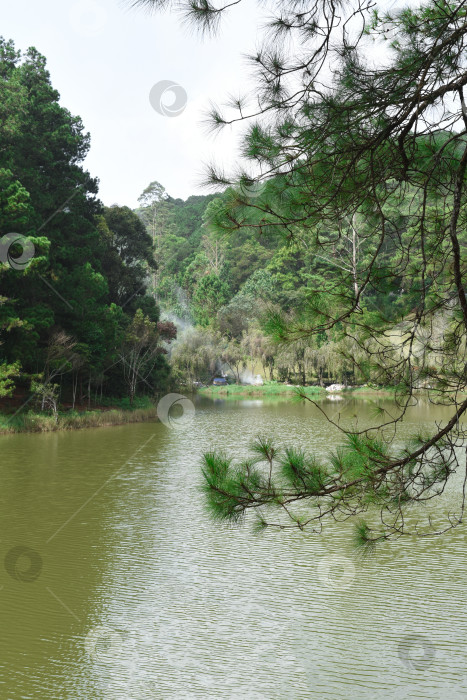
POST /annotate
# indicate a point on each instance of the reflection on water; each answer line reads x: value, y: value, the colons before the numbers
x: 250, y: 403
x: 115, y: 584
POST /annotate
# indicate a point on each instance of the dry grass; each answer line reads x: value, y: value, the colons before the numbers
x: 74, y: 420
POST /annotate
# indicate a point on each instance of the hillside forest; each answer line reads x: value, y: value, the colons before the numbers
x: 115, y: 302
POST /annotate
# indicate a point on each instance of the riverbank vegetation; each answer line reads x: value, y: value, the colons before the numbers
x: 268, y: 389
x: 335, y: 252
x: 89, y: 294
x: 78, y: 320
x: 44, y: 422
x: 291, y: 391
x: 351, y: 199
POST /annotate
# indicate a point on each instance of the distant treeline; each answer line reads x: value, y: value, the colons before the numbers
x: 82, y: 286
x: 235, y: 281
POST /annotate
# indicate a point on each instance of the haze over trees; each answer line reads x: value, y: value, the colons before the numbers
x: 362, y: 164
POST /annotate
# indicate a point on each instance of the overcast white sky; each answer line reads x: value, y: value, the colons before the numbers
x: 104, y: 59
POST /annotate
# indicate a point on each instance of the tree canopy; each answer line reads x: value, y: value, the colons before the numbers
x: 88, y: 271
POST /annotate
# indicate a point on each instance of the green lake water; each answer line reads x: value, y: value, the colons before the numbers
x: 115, y: 584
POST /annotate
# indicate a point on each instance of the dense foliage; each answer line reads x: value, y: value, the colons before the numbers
x: 226, y: 285
x: 362, y: 163
x: 335, y: 251
x: 65, y: 315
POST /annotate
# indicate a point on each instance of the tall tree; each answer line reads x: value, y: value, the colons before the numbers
x: 129, y: 258
x: 154, y: 212
x: 86, y: 268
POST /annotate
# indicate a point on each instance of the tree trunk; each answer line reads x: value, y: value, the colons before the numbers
x: 354, y: 257
x: 74, y: 386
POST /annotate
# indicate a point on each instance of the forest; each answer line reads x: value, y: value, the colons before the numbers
x: 225, y: 281
x: 91, y: 305
x: 233, y: 413
x: 82, y: 319
x: 78, y: 319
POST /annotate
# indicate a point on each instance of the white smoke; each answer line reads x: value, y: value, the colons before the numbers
x: 247, y: 377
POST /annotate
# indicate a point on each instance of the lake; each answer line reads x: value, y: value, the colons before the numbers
x: 115, y: 584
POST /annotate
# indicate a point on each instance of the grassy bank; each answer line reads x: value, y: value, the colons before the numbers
x: 286, y: 391
x: 268, y: 389
x: 33, y: 422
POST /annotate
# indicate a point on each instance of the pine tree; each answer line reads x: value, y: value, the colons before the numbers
x: 332, y: 138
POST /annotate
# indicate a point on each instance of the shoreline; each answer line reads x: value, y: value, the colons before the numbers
x: 288, y: 391
x: 34, y: 422
x: 77, y: 420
